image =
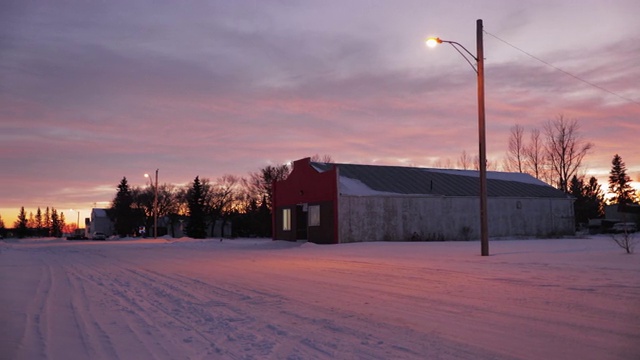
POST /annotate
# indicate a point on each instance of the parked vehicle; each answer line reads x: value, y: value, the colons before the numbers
x: 624, y: 227
x: 99, y: 236
x: 77, y: 235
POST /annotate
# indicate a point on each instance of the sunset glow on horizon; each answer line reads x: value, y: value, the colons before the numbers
x: 94, y: 92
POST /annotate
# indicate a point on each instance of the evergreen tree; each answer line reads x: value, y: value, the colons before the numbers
x: 2, y: 227
x: 56, y: 229
x: 589, y: 200
x: 595, y: 199
x: 21, y: 224
x: 619, y: 182
x: 121, y: 211
x: 47, y: 222
x: 31, y: 222
x: 196, y: 203
x: 38, y: 222
x: 62, y: 223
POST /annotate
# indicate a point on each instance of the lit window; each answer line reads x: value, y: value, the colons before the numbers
x: 286, y: 219
x: 314, y: 215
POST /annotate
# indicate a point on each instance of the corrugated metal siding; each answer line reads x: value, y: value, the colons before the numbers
x: 413, y: 218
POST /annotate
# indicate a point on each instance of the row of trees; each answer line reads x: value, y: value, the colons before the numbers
x: 554, y: 155
x: 51, y: 223
x: 245, y: 201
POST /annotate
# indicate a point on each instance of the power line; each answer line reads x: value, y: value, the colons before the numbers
x: 563, y: 71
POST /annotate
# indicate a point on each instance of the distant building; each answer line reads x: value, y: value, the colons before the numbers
x: 100, y: 222
x: 340, y: 203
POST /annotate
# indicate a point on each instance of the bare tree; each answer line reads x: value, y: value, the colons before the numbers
x: 625, y: 240
x: 534, y: 154
x: 464, y: 161
x: 565, y: 149
x: 516, y: 149
x: 260, y: 184
x: 490, y: 165
x: 322, y: 159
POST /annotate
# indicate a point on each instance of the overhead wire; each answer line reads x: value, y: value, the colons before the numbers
x: 561, y: 70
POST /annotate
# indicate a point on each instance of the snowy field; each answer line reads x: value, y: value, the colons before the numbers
x: 263, y: 299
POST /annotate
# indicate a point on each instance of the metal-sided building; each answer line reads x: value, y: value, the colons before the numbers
x: 340, y: 203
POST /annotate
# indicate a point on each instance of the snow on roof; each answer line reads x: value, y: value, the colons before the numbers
x: 355, y: 187
x: 99, y: 212
x: 376, y: 180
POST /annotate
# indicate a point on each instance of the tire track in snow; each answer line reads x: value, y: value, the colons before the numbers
x: 127, y: 316
x: 33, y: 343
x: 96, y: 340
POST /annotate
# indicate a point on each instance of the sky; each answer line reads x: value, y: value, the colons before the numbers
x: 91, y: 92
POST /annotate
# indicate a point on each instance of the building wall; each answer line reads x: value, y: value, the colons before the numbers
x: 305, y: 187
x: 301, y: 229
x: 406, y: 218
x: 100, y: 223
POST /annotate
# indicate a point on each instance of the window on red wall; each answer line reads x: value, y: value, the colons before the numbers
x: 286, y: 219
x: 314, y: 215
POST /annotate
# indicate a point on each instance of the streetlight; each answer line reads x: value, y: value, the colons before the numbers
x: 479, y: 69
x: 155, y: 204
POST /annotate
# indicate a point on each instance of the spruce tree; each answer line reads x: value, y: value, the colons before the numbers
x: 576, y: 189
x: 47, y: 222
x: 196, y: 202
x: 56, y: 229
x: 589, y: 199
x: 595, y: 199
x: 21, y: 224
x: 121, y: 211
x: 619, y: 182
x: 2, y: 227
x: 38, y: 222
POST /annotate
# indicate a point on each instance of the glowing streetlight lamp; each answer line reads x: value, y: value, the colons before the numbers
x: 479, y: 69
x: 155, y: 204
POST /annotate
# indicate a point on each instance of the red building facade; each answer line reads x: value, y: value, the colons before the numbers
x: 305, y: 205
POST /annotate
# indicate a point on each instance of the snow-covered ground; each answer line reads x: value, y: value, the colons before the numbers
x: 263, y: 299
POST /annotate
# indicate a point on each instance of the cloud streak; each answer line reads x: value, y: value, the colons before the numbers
x: 93, y: 92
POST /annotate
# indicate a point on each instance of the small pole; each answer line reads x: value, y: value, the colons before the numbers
x: 155, y: 208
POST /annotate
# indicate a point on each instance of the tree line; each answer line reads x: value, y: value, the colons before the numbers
x: 553, y: 155
x: 246, y: 202
x: 49, y: 223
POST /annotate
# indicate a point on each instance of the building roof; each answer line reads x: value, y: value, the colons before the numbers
x: 99, y: 212
x: 369, y: 180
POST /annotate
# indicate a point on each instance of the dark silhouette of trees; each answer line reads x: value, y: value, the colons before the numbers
x: 47, y: 222
x: 534, y: 155
x: 121, y: 211
x: 589, y: 199
x: 619, y: 183
x: 516, y: 150
x: 260, y: 183
x: 57, y: 223
x: 20, y: 225
x: 3, y: 229
x: 196, y: 227
x: 565, y: 149
x: 38, y: 222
